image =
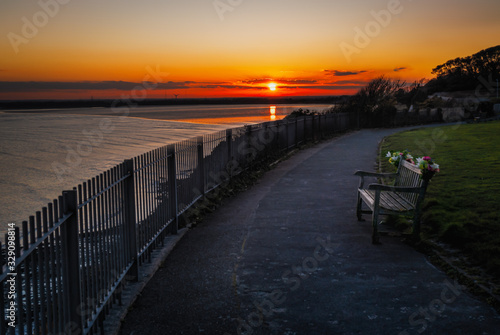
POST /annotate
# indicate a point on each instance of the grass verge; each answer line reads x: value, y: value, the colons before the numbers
x: 462, y: 205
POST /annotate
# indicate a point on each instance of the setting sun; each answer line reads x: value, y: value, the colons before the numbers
x: 221, y: 53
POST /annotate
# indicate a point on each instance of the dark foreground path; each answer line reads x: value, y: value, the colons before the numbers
x: 289, y: 257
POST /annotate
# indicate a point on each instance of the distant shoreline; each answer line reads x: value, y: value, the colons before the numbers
x: 56, y: 104
x: 235, y: 114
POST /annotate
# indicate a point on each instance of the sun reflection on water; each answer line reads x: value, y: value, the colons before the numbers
x: 272, y: 112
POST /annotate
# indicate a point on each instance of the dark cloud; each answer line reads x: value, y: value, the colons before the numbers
x: 209, y: 82
x: 329, y: 87
x: 251, y: 84
x: 349, y: 82
x: 240, y: 87
x: 296, y: 81
x: 278, y: 81
x: 256, y: 81
x: 337, y: 73
x: 400, y: 69
x: 38, y: 86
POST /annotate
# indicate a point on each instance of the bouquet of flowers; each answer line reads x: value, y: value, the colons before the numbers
x: 397, y: 156
x: 427, y: 166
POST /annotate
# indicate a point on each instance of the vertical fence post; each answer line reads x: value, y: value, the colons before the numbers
x: 247, y: 158
x: 130, y: 224
x: 287, y: 145
x: 201, y: 165
x: 230, y: 159
x: 3, y: 325
x: 304, y: 136
x: 172, y: 186
x: 321, y: 131
x: 268, y: 147
x: 71, y: 262
x: 229, y: 141
x: 314, y: 128
x: 19, y: 282
x: 296, y: 133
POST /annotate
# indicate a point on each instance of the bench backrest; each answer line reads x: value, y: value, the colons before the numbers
x: 409, y: 175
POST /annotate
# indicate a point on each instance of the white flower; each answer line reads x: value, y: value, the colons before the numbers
x: 409, y: 156
x: 435, y: 166
x: 388, y: 154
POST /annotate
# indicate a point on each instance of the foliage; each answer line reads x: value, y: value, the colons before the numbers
x: 375, y: 102
x: 412, y: 94
x: 462, y: 205
x: 380, y: 89
x: 463, y: 73
x: 486, y: 107
x: 301, y: 112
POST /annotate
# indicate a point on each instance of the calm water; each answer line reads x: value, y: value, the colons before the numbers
x: 45, y: 152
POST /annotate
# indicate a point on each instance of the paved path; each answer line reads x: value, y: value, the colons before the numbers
x: 289, y: 257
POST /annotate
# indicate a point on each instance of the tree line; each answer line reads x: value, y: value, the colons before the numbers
x: 375, y: 104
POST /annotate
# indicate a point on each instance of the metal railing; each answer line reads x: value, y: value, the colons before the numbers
x: 67, y: 267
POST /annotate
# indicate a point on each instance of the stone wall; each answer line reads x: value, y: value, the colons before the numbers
x: 496, y: 109
x: 453, y: 114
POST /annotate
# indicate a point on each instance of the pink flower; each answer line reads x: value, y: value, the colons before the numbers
x: 426, y: 158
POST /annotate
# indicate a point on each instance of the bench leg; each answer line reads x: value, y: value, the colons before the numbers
x: 358, y: 208
x: 375, y: 235
x: 416, y: 225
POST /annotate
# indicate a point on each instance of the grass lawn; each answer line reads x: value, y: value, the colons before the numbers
x: 462, y: 205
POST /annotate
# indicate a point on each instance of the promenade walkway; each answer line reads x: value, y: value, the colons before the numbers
x: 288, y: 256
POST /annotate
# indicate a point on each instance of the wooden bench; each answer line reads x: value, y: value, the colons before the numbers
x: 405, y: 196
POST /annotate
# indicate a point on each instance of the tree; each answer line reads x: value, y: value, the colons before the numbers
x: 464, y: 73
x: 374, y: 103
x: 413, y: 93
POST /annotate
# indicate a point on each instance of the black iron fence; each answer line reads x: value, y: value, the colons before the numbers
x: 64, y: 271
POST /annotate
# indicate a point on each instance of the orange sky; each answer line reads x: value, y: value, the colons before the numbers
x: 213, y: 48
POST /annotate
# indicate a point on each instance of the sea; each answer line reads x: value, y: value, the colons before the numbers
x: 43, y: 152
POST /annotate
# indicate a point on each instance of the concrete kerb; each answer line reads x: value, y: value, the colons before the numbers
x: 132, y: 291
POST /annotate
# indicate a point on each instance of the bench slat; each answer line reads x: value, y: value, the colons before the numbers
x: 398, y: 201
x: 408, y: 177
x: 388, y: 200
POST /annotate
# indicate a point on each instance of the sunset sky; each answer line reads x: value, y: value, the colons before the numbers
x: 225, y: 48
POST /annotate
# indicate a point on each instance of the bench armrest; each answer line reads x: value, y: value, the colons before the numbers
x: 402, y: 189
x: 364, y: 174
x: 375, y: 174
